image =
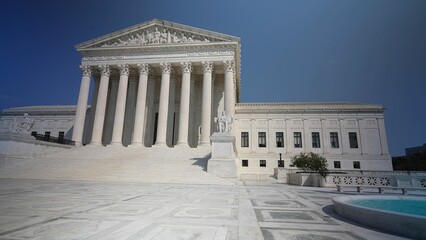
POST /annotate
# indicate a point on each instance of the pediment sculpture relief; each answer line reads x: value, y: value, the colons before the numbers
x: 22, y: 126
x: 156, y: 36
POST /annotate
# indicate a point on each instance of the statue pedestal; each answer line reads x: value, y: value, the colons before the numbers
x: 281, y: 174
x: 222, y: 163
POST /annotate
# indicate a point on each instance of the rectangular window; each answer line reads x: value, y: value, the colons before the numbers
x: 336, y: 164
x: 34, y: 133
x: 244, y: 139
x: 280, y: 163
x: 297, y: 139
x: 334, y: 140
x: 262, y: 139
x: 316, y: 140
x: 280, y: 139
x: 262, y: 163
x: 357, y: 165
x: 61, y: 136
x: 46, y: 136
x: 245, y: 163
x: 353, y: 141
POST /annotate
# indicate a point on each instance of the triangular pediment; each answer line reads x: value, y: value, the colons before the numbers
x: 156, y: 32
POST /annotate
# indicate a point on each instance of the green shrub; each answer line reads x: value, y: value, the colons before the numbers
x: 310, y: 162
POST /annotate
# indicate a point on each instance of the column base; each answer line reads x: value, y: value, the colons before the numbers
x: 137, y: 144
x: 182, y: 145
x: 205, y: 144
x: 160, y: 144
x: 95, y: 144
x: 115, y: 144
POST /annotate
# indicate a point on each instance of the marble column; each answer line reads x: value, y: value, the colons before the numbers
x: 138, y: 130
x: 120, y: 107
x: 164, y: 105
x: 229, y: 87
x: 80, y: 115
x: 184, y: 104
x: 206, y: 111
x: 88, y: 133
x: 98, y: 124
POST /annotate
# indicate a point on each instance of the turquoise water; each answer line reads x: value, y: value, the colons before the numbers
x: 415, y: 207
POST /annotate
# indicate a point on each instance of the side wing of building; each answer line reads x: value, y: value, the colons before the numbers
x: 350, y: 136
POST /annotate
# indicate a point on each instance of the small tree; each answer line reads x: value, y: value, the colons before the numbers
x: 310, y: 162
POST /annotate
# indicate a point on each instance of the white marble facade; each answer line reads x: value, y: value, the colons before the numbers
x: 162, y: 84
x: 157, y: 83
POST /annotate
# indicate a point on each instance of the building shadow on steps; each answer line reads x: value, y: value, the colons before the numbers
x: 202, y: 162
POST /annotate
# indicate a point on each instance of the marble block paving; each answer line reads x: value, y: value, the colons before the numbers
x: 62, y: 210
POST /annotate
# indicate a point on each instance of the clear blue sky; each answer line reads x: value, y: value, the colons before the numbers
x: 357, y: 51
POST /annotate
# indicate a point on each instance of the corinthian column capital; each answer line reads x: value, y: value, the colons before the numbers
x: 186, y: 67
x: 143, y: 68
x: 207, y: 66
x: 86, y: 70
x: 124, y: 69
x: 105, y: 70
x: 229, y: 65
x: 166, y: 68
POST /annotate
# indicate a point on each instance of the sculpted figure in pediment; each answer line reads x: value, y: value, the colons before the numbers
x: 163, y: 36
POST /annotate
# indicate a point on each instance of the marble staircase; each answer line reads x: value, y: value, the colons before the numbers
x: 117, y: 163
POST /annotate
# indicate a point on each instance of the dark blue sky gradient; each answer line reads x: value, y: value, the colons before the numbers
x: 354, y: 51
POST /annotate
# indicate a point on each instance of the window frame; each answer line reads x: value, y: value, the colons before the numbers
x: 353, y: 140
x: 279, y: 138
x: 244, y: 163
x: 261, y: 139
x: 245, y: 139
x: 334, y: 138
x: 316, y: 140
x: 357, y: 164
x: 337, y: 164
x: 262, y: 163
x: 297, y: 139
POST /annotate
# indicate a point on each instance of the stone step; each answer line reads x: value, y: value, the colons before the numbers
x: 168, y: 165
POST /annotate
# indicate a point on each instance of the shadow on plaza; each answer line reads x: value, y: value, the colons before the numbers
x: 202, y: 162
x: 329, y: 210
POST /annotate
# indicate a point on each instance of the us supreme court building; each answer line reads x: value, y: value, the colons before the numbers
x: 161, y: 84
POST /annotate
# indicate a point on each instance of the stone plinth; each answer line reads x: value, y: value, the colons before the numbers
x: 281, y: 174
x: 222, y: 162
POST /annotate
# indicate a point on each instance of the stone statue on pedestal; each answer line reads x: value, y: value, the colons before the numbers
x: 224, y: 123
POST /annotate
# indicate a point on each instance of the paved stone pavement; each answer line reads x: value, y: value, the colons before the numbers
x: 53, y: 209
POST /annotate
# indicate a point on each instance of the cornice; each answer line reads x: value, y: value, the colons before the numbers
x: 41, y: 110
x: 308, y: 107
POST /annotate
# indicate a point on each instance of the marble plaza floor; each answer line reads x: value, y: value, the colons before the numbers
x: 53, y: 209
